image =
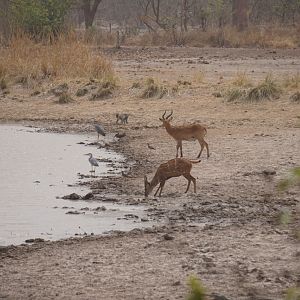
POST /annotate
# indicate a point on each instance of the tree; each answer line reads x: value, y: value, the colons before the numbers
x: 89, y: 9
x: 240, y: 14
x: 4, y: 22
x: 39, y: 16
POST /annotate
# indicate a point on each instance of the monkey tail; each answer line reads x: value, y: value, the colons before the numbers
x: 195, y: 161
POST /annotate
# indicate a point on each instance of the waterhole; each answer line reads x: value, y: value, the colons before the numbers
x: 36, y: 168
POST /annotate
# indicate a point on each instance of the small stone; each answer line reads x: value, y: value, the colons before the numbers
x: 72, y: 196
x: 120, y: 135
x: 88, y: 196
x: 168, y: 237
x: 37, y: 240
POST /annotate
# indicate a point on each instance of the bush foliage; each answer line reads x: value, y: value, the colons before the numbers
x: 39, y: 16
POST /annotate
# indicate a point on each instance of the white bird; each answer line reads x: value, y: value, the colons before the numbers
x: 93, y: 161
x: 100, y: 130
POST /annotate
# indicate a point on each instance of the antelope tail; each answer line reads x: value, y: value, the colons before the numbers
x: 195, y: 161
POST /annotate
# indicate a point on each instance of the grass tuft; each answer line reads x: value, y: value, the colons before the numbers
x: 65, y: 98
x: 153, y: 89
x: 292, y: 82
x: 3, y: 83
x: 106, y: 88
x: 268, y: 89
x: 197, y: 291
x: 242, y: 80
x: 235, y: 94
x: 295, y: 97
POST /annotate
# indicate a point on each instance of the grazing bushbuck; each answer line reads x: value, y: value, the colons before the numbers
x: 173, y: 168
x: 188, y: 132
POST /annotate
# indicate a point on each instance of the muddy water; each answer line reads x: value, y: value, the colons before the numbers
x: 35, y: 168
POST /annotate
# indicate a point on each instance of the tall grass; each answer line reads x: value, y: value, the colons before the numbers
x: 255, y: 36
x: 66, y: 58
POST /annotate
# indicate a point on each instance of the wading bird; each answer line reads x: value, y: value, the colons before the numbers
x: 100, y: 130
x: 93, y: 161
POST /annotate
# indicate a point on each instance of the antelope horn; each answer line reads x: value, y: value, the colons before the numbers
x: 169, y: 115
x: 163, y: 116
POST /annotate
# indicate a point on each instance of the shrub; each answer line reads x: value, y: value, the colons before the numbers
x: 39, y: 17
x: 197, y: 291
x: 295, y: 97
x: 153, y: 89
x: 241, y: 80
x: 292, y: 82
x: 105, y: 89
x: 65, y: 98
x: 235, y: 94
x: 268, y: 89
x: 3, y: 83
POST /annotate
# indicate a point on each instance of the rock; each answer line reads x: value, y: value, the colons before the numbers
x: 88, y: 196
x: 218, y: 297
x: 37, y: 240
x: 268, y: 172
x: 71, y: 212
x: 144, y: 220
x: 176, y: 283
x: 72, y: 196
x: 120, y: 135
x: 168, y: 237
x: 217, y: 94
x: 100, y: 208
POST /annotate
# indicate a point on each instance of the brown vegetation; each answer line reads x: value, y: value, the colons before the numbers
x: 26, y: 60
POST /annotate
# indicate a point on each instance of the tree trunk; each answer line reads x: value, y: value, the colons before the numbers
x: 184, y: 15
x: 4, y: 22
x: 89, y: 9
x: 240, y: 14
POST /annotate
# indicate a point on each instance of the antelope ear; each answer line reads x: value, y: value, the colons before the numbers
x: 161, y: 119
x: 170, y: 119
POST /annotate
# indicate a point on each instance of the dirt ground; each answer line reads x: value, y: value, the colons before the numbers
x: 228, y: 234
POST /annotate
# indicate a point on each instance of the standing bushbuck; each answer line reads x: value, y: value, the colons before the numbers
x: 173, y: 168
x: 188, y: 132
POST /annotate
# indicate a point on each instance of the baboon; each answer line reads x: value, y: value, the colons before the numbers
x: 123, y: 118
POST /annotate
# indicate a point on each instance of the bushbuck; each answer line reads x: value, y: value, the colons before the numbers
x: 173, y: 168
x: 188, y: 132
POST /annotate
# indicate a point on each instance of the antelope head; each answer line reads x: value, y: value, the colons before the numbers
x: 147, y: 186
x: 166, y: 120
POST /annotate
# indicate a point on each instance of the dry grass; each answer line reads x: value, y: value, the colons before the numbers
x: 255, y: 36
x: 235, y: 94
x: 154, y: 89
x: 292, y: 82
x: 242, y: 80
x: 268, y: 89
x: 105, y: 89
x: 67, y: 58
x: 65, y: 98
x: 295, y: 97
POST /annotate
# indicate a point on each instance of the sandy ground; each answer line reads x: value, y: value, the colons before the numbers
x: 228, y: 234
